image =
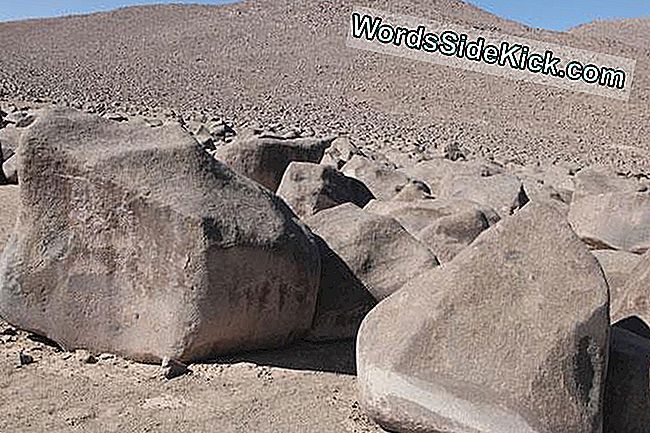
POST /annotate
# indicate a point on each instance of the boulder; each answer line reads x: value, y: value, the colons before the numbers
x: 549, y: 183
x: 449, y: 235
x: 310, y: 188
x: 627, y: 392
x: 343, y: 300
x: 9, y: 205
x: 10, y: 137
x: 618, y: 221
x: 417, y: 215
x: 340, y: 152
x: 600, y: 180
x: 265, y: 159
x: 502, y: 192
x: 434, y: 171
x: 383, y: 181
x: 509, y: 337
x: 132, y: 240
x: 413, y: 191
x: 617, y: 266
x: 634, y: 297
x: 376, y: 248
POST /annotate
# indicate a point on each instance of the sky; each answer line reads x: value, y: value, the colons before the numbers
x: 548, y: 14
x: 564, y: 14
x: 20, y: 9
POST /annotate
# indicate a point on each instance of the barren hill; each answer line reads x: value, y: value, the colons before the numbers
x: 286, y: 61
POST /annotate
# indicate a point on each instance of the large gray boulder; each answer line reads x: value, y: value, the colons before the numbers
x: 444, y: 226
x: 600, y: 180
x: 132, y: 240
x: 377, y: 249
x: 618, y: 221
x: 509, y: 337
x: 383, y: 181
x: 634, y: 297
x: 503, y: 192
x: 617, y: 266
x: 310, y: 188
x: 436, y: 171
x: 264, y: 159
x: 10, y: 137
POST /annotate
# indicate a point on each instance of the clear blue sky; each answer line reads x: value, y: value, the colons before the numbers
x: 19, y: 9
x: 550, y: 14
x: 563, y: 14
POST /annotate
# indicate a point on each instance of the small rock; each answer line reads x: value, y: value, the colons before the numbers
x: 9, y: 331
x: 10, y: 170
x: 25, y: 358
x: 171, y: 368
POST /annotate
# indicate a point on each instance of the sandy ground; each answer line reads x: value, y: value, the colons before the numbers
x: 305, y: 388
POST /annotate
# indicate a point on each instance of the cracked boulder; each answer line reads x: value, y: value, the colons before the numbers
x: 376, y: 249
x: 310, y: 188
x: 132, y: 240
x: 511, y: 337
x: 265, y: 159
x: 502, y: 192
x: 617, y: 221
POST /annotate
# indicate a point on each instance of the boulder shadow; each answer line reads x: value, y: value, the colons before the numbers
x: 627, y: 386
x: 332, y: 357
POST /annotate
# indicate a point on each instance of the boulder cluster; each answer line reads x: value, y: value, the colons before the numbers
x: 484, y: 297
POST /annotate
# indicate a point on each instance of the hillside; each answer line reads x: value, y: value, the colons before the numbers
x: 286, y: 61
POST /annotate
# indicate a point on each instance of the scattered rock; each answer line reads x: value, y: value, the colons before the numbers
x: 382, y: 181
x: 116, y: 117
x: 172, y: 369
x: 618, y: 221
x: 167, y: 237
x: 510, y: 336
x: 310, y: 188
x: 25, y: 358
x: 454, y: 152
x: 265, y: 159
x: 86, y: 357
x: 10, y: 331
x: 376, y: 248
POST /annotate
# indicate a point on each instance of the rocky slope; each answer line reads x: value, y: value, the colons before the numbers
x: 286, y: 61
